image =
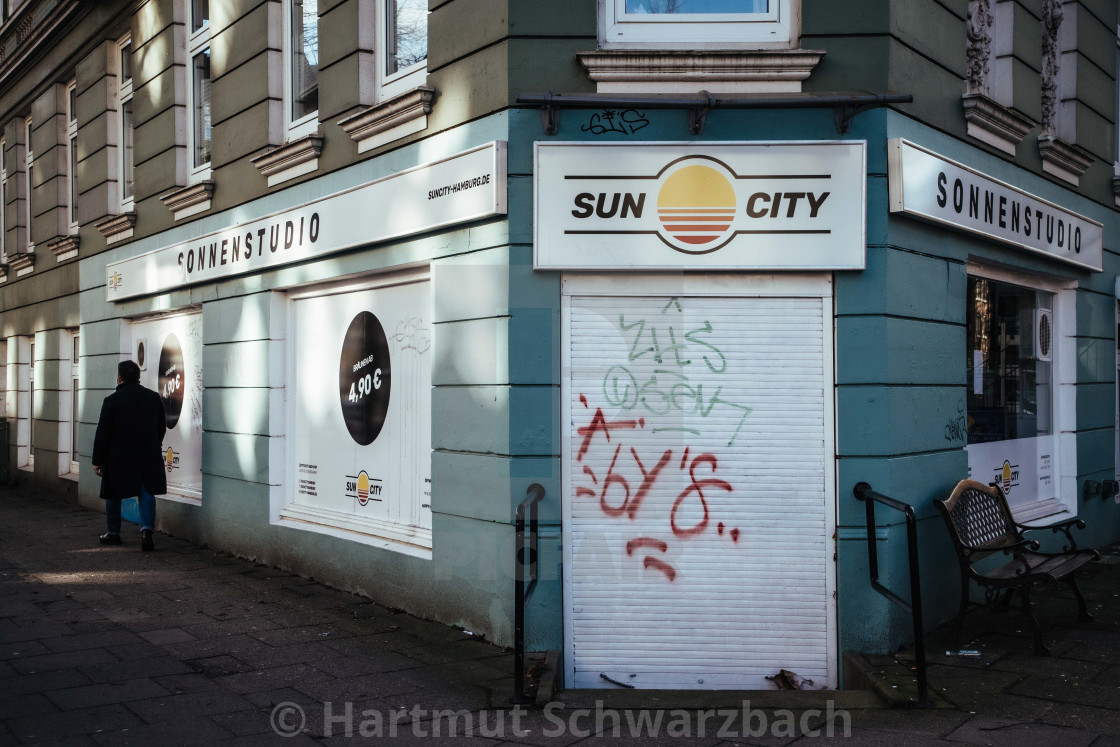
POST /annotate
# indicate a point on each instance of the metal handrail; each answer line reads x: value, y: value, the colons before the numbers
x: 526, y: 555
x: 864, y: 493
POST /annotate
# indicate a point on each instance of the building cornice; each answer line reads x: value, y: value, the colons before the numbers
x: 688, y: 71
x: 22, y: 262
x: 190, y: 200
x: 116, y: 227
x: 389, y: 120
x: 29, y: 28
x: 63, y: 247
x: 1062, y: 159
x: 284, y: 162
x: 995, y: 124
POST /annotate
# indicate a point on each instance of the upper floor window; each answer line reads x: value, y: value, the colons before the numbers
x: 125, y: 156
x: 655, y: 24
x: 29, y: 175
x: 403, y: 64
x: 301, y: 53
x: 72, y: 154
x: 198, y: 50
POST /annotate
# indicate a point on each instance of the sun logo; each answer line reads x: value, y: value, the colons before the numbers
x: 170, y: 459
x: 696, y: 206
x: 1006, y: 476
x: 363, y: 487
x: 115, y: 280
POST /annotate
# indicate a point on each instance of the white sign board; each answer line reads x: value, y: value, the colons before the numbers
x: 465, y: 187
x: 1023, y: 467
x: 361, y: 412
x: 931, y: 187
x: 700, y: 206
x: 170, y: 352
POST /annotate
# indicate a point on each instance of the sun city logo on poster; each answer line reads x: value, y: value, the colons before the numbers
x: 1007, y: 476
x: 116, y: 280
x: 698, y: 211
x: 363, y: 487
x: 170, y: 460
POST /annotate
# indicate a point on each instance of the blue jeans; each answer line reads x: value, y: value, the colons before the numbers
x: 147, y: 503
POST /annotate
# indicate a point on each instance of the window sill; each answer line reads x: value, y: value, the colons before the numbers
x: 391, y: 120
x: 71, y: 476
x: 63, y: 247
x: 396, y: 538
x: 716, y: 71
x: 995, y: 124
x: 116, y: 227
x: 190, y: 200
x: 1063, y: 160
x: 23, y: 263
x: 296, y: 158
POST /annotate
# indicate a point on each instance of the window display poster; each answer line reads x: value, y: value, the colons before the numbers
x: 361, y: 425
x: 1023, y: 467
x: 172, y: 366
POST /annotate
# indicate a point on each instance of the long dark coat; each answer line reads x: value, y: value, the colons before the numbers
x: 128, y: 445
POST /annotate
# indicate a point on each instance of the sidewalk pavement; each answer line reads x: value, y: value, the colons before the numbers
x: 108, y: 645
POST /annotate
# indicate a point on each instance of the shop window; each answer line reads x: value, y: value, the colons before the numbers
x: 125, y: 161
x: 169, y: 352
x: 1013, y: 395
x: 359, y: 416
x: 301, y: 64
x: 69, y: 372
x: 25, y: 398
x: 669, y: 24
x: 404, y: 57
x: 198, y: 92
x: 72, y: 155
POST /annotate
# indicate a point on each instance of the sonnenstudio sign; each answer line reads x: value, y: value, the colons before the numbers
x: 464, y: 187
x: 928, y: 186
x: 777, y: 206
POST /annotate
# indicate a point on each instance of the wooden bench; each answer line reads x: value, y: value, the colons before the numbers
x: 980, y: 524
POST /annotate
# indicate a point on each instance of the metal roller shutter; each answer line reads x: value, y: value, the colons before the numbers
x: 696, y: 499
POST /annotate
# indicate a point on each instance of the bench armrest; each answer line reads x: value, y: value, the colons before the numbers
x: 1061, y: 526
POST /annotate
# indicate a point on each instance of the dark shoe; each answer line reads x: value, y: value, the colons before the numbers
x: 109, y: 539
x: 146, y: 543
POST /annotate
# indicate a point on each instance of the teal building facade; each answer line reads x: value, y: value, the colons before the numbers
x: 695, y: 268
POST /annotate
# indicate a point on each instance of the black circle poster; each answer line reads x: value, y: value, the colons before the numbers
x: 364, y: 377
x: 172, y: 379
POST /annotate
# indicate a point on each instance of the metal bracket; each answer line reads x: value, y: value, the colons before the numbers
x: 550, y: 117
x: 698, y: 115
x: 843, y: 114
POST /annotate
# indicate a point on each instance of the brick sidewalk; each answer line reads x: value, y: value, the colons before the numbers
x: 108, y: 645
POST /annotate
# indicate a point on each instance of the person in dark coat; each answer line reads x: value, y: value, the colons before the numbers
x: 127, y: 453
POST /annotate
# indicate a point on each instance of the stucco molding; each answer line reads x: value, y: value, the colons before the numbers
x: 995, y: 124
x: 1062, y: 159
x: 116, y: 227
x: 979, y: 49
x: 3, y: 273
x: 1116, y: 189
x: 22, y: 262
x: 284, y: 162
x: 1051, y: 23
x: 63, y: 247
x: 30, y: 28
x: 189, y: 200
x: 687, y: 71
x: 389, y: 120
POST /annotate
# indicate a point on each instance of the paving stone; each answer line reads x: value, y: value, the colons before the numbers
x: 214, y: 666
x: 170, y: 635
x: 187, y: 731
x: 242, y: 723
x: 271, y: 679
x: 174, y: 707
x: 50, y: 728
x: 91, y: 640
x: 117, y: 671
x: 104, y: 693
x: 63, y: 660
x: 1069, y: 690
x: 42, y: 682
x: 28, y: 704
x: 989, y: 731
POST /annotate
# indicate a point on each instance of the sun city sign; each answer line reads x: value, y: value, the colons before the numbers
x: 710, y: 206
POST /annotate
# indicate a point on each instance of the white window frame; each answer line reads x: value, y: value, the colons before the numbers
x: 198, y: 42
x: 124, y: 96
x: 1064, y: 389
x: 69, y: 369
x: 393, y: 84
x: 779, y: 28
x: 308, y: 124
x: 28, y: 175
x: 3, y: 202
x: 72, y: 156
x: 283, y: 511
